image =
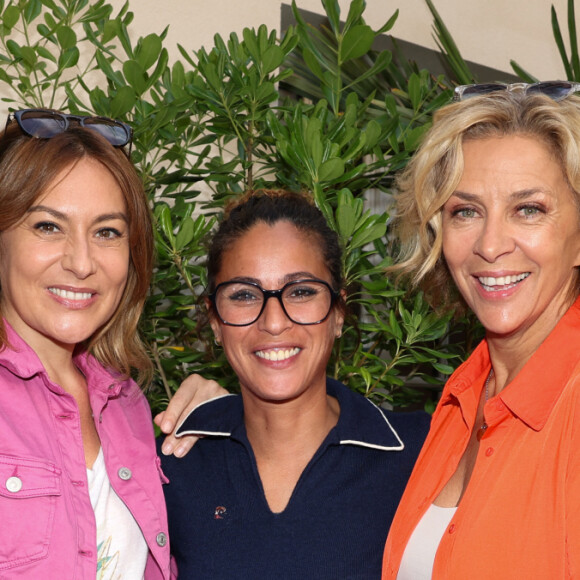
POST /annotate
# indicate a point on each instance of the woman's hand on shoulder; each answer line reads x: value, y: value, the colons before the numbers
x: 193, y: 391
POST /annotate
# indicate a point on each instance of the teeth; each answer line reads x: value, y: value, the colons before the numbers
x: 277, y: 354
x: 489, y: 282
x: 70, y: 295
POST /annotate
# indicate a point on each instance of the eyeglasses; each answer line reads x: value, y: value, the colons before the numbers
x: 45, y: 124
x: 303, y: 301
x: 556, y: 90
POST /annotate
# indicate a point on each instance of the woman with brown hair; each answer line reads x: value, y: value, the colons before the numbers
x: 80, y: 493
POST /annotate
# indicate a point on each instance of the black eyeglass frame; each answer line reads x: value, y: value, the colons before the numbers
x: 66, y: 118
x: 274, y: 294
x: 547, y: 88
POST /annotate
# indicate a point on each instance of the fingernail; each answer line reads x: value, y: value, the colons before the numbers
x: 179, y: 452
x: 167, y: 449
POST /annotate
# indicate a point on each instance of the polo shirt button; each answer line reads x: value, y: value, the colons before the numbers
x: 14, y: 484
x: 452, y: 528
x: 161, y: 539
x: 489, y: 451
x: 125, y: 473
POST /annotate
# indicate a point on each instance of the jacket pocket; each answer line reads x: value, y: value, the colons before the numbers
x: 28, y: 493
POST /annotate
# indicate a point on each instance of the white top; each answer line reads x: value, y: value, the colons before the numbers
x: 121, y: 547
x: 419, y: 555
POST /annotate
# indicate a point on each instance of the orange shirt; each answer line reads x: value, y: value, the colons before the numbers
x: 520, y: 515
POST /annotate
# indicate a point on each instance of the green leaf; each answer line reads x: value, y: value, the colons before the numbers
x: 251, y: 42
x: 148, y: 51
x: 184, y: 235
x: 45, y: 53
x: 389, y: 24
x: 522, y: 73
x: 29, y: 56
x: 135, y: 76
x: 443, y: 369
x: 560, y: 44
x: 122, y: 102
x: 574, y: 59
x: 415, y: 91
x: 356, y: 42
x: 331, y: 169
x: 67, y: 37
x: 272, y: 59
x: 163, y: 214
x: 367, y: 235
x: 10, y: 16
x: 346, y: 218
x: 372, y: 133
x: 5, y: 77
x: 333, y: 12
x: 414, y: 137
x: 69, y: 58
x: 355, y: 13
x: 14, y: 48
x: 32, y: 9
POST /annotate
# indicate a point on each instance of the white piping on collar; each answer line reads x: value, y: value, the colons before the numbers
x: 203, y: 432
x: 399, y: 447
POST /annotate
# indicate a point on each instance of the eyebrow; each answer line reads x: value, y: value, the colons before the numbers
x: 287, y: 278
x: 61, y: 216
x: 514, y: 196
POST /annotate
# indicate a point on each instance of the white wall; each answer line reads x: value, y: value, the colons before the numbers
x: 490, y: 32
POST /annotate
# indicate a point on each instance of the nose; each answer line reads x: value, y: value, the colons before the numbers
x: 494, y: 240
x: 273, y: 319
x: 78, y: 257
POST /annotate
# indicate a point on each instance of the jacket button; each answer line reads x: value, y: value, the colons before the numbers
x: 124, y: 473
x: 161, y: 539
x: 14, y: 484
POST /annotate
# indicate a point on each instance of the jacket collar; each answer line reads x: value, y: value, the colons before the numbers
x: 532, y: 395
x: 21, y: 360
x: 360, y: 422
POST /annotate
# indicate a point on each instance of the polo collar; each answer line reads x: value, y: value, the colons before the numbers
x: 360, y: 422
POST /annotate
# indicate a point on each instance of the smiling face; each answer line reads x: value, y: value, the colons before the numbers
x: 274, y: 358
x: 511, y: 236
x: 64, y: 267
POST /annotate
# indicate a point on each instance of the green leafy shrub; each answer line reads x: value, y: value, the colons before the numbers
x: 222, y: 120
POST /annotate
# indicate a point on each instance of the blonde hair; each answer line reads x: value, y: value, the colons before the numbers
x: 435, y: 170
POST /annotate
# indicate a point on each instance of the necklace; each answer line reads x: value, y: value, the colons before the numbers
x: 484, y: 425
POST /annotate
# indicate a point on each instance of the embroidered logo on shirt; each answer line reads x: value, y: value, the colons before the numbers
x: 220, y: 510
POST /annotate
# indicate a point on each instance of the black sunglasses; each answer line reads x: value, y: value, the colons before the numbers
x: 556, y: 90
x: 46, y: 123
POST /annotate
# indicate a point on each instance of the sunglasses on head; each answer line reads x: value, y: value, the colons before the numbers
x: 45, y: 124
x: 556, y: 90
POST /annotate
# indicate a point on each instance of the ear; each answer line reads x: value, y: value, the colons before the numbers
x: 339, y: 316
x: 214, y: 322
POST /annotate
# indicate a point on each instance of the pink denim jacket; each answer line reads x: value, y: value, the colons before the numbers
x: 47, y: 525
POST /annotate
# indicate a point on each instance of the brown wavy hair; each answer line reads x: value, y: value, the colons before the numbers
x: 28, y: 166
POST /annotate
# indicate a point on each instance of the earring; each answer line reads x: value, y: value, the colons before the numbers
x: 216, y: 341
x: 339, y: 333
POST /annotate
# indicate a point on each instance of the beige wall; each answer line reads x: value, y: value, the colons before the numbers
x: 490, y: 32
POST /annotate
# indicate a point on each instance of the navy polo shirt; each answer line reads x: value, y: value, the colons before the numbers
x: 336, y: 522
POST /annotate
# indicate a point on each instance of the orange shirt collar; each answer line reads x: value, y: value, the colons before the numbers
x: 561, y: 348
